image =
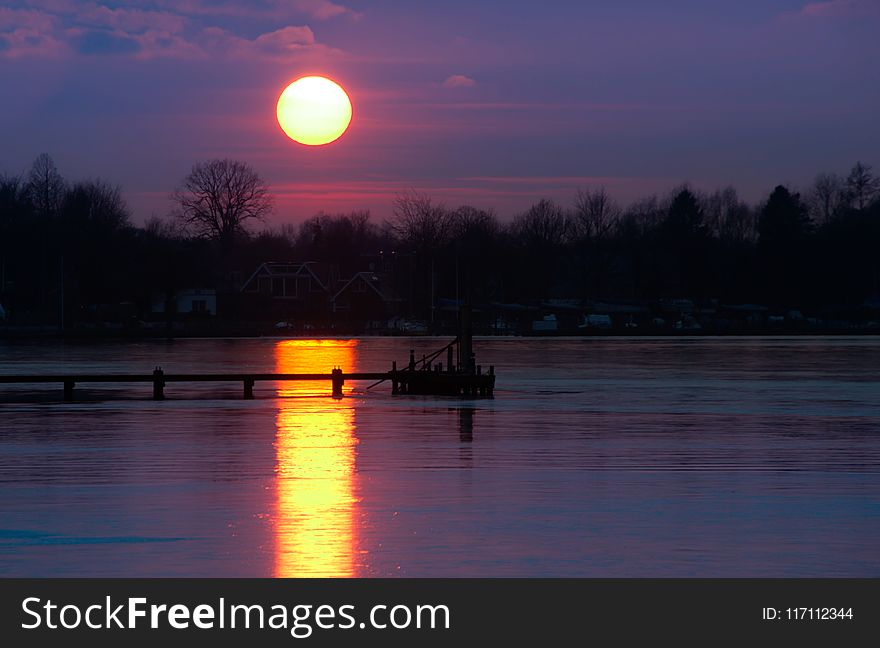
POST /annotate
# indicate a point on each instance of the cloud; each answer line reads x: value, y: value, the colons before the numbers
x: 459, y: 81
x: 131, y: 20
x: 840, y: 8
x: 26, y: 42
x: 323, y: 9
x: 286, y: 39
x: 57, y: 27
x: 279, y: 45
x: 102, y: 41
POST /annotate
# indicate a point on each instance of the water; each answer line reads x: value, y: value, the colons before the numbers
x: 604, y: 457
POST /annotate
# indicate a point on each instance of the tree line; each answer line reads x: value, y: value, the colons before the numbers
x: 70, y: 249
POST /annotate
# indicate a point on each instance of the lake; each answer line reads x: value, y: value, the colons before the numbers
x: 597, y: 457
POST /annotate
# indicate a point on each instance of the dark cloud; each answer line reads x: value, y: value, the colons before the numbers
x: 99, y: 41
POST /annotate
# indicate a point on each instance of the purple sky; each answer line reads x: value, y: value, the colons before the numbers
x: 493, y: 103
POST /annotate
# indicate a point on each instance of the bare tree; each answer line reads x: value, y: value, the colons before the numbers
x: 545, y: 224
x: 219, y: 197
x: 45, y: 186
x: 420, y: 222
x: 862, y: 185
x: 728, y: 217
x: 96, y: 203
x: 595, y: 213
x: 826, y: 197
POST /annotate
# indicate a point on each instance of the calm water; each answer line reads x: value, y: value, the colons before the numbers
x: 610, y: 457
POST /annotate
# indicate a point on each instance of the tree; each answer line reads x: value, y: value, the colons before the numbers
x: 826, y: 197
x: 595, y: 213
x: 45, y: 186
x: 783, y: 220
x: 94, y: 205
x: 685, y: 217
x: 219, y: 198
x: 783, y: 226
x: 545, y: 225
x: 420, y: 223
x: 862, y: 185
x: 729, y: 218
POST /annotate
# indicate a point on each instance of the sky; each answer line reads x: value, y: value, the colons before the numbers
x: 491, y: 103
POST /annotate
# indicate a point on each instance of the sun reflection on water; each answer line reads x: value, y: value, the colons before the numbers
x: 314, y: 528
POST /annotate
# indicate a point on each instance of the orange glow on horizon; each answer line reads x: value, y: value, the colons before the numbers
x: 315, y: 530
x: 314, y: 110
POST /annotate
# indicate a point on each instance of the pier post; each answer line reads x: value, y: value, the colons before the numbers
x: 465, y: 340
x: 158, y: 384
x: 490, y: 389
x: 394, y: 387
x: 450, y: 366
x: 336, y: 377
x: 412, y: 360
x: 248, y: 388
x: 68, y: 389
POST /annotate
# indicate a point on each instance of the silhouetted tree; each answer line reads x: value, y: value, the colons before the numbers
x: 419, y: 222
x: 595, y: 213
x: 861, y: 185
x: 45, y: 186
x: 783, y: 227
x: 220, y: 197
x: 826, y: 197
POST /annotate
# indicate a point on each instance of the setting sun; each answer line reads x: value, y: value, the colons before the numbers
x: 314, y: 110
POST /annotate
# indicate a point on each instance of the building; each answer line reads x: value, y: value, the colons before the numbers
x: 188, y: 301
x: 286, y: 291
x: 366, y: 297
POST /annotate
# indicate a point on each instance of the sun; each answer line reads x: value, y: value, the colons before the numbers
x: 314, y: 110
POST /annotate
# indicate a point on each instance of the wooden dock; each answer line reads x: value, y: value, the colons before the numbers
x: 406, y: 381
x: 461, y: 376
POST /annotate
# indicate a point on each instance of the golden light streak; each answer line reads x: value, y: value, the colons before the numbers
x: 315, y: 530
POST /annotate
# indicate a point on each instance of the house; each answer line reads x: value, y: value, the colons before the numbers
x: 288, y: 281
x: 189, y: 301
x: 286, y: 291
x: 366, y: 297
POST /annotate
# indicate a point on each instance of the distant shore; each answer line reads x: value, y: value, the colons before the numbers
x: 51, y: 333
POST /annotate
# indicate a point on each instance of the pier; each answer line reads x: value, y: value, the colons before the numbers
x: 403, y: 381
x: 460, y: 376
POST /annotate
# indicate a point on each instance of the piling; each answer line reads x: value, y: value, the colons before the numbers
x: 337, y: 381
x: 248, y: 388
x: 158, y: 384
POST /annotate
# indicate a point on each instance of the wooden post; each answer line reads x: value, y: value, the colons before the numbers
x: 68, y: 389
x: 450, y: 366
x: 248, y: 388
x: 337, y: 382
x: 412, y: 360
x: 465, y: 339
x: 158, y: 384
x: 394, y: 387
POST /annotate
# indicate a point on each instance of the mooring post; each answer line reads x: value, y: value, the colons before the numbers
x: 450, y: 367
x: 336, y: 378
x: 248, y: 388
x: 394, y: 389
x: 412, y: 360
x: 158, y: 384
x: 68, y: 389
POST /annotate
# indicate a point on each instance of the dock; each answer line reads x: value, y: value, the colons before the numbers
x: 404, y: 381
x: 460, y: 376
